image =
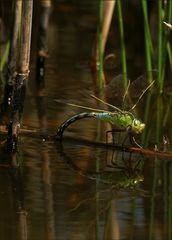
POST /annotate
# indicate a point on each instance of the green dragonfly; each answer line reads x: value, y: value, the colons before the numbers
x: 123, y: 120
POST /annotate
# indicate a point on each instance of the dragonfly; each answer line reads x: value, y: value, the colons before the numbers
x: 123, y: 120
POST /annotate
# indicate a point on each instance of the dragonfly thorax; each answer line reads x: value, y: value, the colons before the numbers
x: 123, y: 120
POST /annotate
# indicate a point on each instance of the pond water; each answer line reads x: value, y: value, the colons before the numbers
x: 78, y: 189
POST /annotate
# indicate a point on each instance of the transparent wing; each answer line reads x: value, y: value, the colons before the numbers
x: 117, y: 95
x: 139, y: 85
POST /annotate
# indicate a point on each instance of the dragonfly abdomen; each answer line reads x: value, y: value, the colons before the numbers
x: 71, y: 120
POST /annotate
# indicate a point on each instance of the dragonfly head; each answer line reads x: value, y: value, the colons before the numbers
x: 137, y: 126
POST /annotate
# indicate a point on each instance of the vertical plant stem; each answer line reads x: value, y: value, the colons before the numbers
x: 14, y: 42
x: 159, y: 120
x: 169, y: 51
x: 160, y: 80
x: 100, y: 46
x: 149, y: 60
x: 148, y: 41
x: 24, y: 51
x: 166, y: 42
x: 4, y: 56
x: 106, y: 9
x: 8, y: 90
x: 146, y: 117
x: 22, y: 74
x: 123, y: 51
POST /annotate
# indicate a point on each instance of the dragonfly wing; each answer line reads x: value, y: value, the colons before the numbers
x: 138, y: 86
x: 115, y: 91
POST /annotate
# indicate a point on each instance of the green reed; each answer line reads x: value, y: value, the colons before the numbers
x: 148, y: 41
x: 169, y: 19
x: 159, y: 117
x: 160, y: 43
x: 123, y: 51
x: 156, y: 55
x: 156, y: 58
x: 164, y: 12
x: 146, y: 134
x: 162, y: 47
x: 166, y: 43
x: 100, y: 46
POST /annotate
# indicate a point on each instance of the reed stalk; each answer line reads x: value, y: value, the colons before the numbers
x: 145, y: 120
x: 12, y: 58
x: 148, y: 41
x: 164, y: 12
x: 106, y: 9
x: 169, y: 51
x: 166, y: 48
x: 123, y: 51
x: 22, y: 75
x: 4, y: 56
x: 13, y: 53
x: 100, y: 47
x: 160, y: 45
x: 169, y: 19
x: 159, y: 117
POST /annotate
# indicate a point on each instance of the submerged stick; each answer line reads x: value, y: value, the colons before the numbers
x: 165, y: 155
x: 146, y: 152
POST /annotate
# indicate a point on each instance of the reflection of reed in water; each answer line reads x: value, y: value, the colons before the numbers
x: 160, y: 192
x: 13, y: 170
x: 48, y: 200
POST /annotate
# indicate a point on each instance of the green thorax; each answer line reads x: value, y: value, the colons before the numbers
x: 121, y: 120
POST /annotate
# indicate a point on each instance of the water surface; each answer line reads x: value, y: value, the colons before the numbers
x: 76, y: 190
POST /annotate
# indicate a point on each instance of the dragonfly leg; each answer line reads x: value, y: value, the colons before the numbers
x: 114, y: 159
x: 115, y: 141
x: 112, y: 132
x: 111, y: 156
x: 130, y: 135
x: 107, y: 136
x: 133, y: 141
